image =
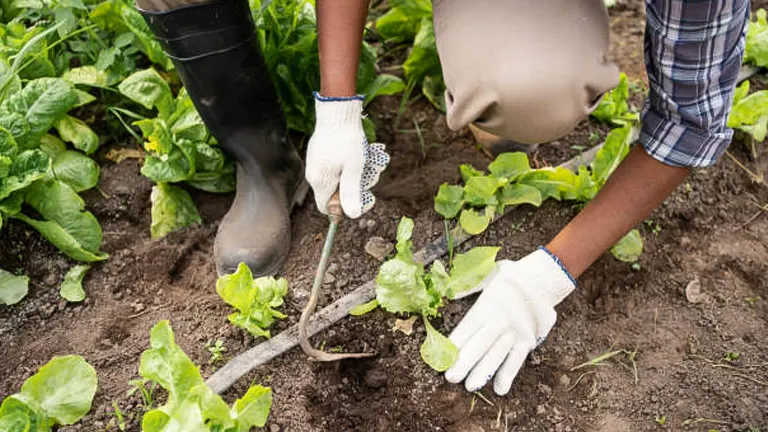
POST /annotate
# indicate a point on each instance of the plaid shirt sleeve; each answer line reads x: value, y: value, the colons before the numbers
x: 693, y: 53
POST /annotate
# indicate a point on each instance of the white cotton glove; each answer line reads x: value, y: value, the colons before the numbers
x: 340, y: 158
x: 511, y: 317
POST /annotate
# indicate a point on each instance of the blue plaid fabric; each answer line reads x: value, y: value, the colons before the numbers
x: 693, y: 52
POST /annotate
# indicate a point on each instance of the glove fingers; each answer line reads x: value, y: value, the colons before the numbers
x: 324, y: 185
x: 368, y: 200
x: 488, y: 365
x: 468, y: 326
x: 509, y: 369
x: 471, y: 352
x: 376, y: 161
x: 350, y: 191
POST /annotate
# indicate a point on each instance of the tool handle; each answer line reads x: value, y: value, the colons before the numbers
x: 335, y: 212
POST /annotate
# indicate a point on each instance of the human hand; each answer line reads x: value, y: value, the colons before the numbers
x: 340, y: 158
x: 511, y: 317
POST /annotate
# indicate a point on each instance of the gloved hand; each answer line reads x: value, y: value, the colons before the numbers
x: 511, y: 317
x: 340, y: 158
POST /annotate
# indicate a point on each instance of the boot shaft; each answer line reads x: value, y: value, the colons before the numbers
x: 217, y: 56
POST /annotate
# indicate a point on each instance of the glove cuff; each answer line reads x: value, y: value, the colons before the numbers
x: 338, y: 111
x: 548, y: 274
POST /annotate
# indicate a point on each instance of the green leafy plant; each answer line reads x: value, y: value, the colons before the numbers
x: 60, y: 393
x: 411, y: 21
x: 614, y: 107
x: 12, y: 288
x: 38, y: 170
x: 750, y: 111
x: 756, y: 50
x: 191, y: 404
x: 107, y: 35
x: 403, y: 287
x: 254, y: 299
x: 119, y: 416
x: 629, y: 248
x: 216, y: 350
x: 146, y: 388
x: 179, y: 149
x: 512, y: 181
x: 287, y: 34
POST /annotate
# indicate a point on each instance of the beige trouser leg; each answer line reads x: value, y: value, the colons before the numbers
x: 525, y: 70
x: 164, y: 5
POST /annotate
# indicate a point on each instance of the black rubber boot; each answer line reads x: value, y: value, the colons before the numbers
x: 215, y: 51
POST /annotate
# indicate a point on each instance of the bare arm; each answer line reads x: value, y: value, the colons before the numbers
x: 340, y: 25
x: 636, y: 188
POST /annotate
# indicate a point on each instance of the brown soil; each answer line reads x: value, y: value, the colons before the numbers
x: 709, y: 230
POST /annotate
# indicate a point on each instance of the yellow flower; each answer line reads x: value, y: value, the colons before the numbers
x: 152, y: 144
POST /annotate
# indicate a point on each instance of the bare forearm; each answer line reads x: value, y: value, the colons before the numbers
x: 636, y: 188
x: 340, y: 25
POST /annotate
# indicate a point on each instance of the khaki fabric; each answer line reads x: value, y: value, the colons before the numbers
x: 164, y: 5
x: 525, y: 70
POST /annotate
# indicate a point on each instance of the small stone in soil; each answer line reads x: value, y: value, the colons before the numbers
x: 693, y: 292
x: 329, y: 278
x: 378, y: 248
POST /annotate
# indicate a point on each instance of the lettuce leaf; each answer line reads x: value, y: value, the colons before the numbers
x: 473, y: 222
x: 449, y: 200
x: 509, y: 166
x: 470, y: 268
x: 629, y: 248
x: 72, y: 286
x: 437, y: 350
x: 60, y: 393
x: 172, y: 209
x: 750, y: 112
x: 12, y: 288
x: 401, y: 23
x: 30, y: 113
x: 67, y: 225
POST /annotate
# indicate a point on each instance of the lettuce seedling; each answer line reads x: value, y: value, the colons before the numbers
x: 60, y: 393
x: 191, y: 404
x: 403, y: 287
x: 614, y: 107
x: 512, y: 181
x: 255, y: 300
